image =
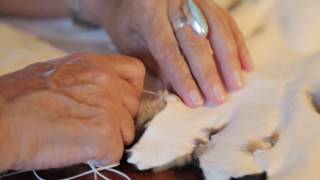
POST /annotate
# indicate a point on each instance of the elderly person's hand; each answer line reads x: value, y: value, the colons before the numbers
x: 69, y: 110
x: 199, y: 69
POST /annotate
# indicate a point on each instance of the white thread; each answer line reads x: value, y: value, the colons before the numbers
x: 94, y: 170
x: 37, y: 175
x: 12, y: 174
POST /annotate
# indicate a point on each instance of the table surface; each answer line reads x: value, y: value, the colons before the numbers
x: 189, y: 173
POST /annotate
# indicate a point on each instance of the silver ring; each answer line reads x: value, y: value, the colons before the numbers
x: 192, y: 16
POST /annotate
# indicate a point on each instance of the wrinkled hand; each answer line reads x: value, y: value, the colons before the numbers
x: 69, y: 110
x: 198, y: 69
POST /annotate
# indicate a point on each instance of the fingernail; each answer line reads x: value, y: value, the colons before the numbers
x: 196, y: 98
x: 238, y: 79
x: 219, y: 93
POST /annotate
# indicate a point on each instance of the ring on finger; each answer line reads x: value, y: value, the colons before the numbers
x: 192, y: 15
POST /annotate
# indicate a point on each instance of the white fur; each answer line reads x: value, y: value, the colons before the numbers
x: 251, y: 15
x: 280, y: 104
x: 275, y: 100
x: 299, y: 20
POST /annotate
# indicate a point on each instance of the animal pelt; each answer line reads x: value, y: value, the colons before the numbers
x: 272, y: 125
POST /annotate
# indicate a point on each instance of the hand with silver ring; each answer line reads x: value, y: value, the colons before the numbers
x: 194, y: 45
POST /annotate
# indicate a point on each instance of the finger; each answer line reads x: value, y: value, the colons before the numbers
x: 129, y: 69
x: 243, y: 52
x: 165, y: 49
x: 113, y: 152
x: 224, y: 45
x: 198, y: 52
x: 128, y: 97
x: 126, y: 124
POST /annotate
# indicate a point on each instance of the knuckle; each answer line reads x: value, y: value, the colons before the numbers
x: 99, y: 73
x: 96, y: 74
x: 139, y: 66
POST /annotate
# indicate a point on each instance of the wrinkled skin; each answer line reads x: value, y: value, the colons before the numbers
x: 200, y: 70
x: 68, y: 111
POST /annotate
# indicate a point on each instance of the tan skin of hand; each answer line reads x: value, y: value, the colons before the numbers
x: 68, y: 111
x: 200, y: 70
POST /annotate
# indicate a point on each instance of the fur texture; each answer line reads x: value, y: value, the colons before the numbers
x: 269, y: 126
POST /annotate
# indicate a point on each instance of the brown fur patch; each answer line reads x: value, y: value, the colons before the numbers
x: 265, y: 143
